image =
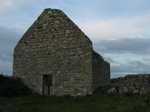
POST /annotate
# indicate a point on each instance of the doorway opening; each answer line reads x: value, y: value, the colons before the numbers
x: 47, y: 84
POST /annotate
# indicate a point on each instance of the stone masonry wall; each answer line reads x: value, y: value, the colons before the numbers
x: 131, y: 84
x: 55, y: 45
x: 101, y: 71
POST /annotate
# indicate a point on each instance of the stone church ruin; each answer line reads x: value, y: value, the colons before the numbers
x: 54, y: 57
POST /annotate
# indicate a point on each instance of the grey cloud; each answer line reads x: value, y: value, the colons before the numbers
x: 137, y: 62
x: 137, y: 46
x: 131, y: 67
x: 8, y: 40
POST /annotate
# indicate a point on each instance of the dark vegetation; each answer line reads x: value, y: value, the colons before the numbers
x: 94, y: 103
x: 11, y: 87
x: 18, y: 98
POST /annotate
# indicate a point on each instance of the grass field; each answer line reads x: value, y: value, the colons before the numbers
x: 95, y: 103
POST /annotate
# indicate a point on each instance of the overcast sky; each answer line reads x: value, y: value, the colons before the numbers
x: 119, y: 29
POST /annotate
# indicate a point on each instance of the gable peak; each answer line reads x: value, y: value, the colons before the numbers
x: 52, y: 11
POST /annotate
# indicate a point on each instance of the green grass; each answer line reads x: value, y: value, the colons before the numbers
x: 95, y: 103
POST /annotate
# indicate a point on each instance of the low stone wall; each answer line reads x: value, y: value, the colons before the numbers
x: 130, y: 84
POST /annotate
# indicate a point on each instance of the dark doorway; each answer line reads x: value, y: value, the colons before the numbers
x: 47, y: 83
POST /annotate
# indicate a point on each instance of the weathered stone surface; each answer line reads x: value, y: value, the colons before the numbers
x: 131, y: 84
x: 101, y: 70
x: 54, y: 57
x: 112, y: 90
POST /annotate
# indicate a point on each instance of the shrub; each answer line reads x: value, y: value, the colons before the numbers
x: 10, y: 86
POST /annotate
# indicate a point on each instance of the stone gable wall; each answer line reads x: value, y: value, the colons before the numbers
x: 55, y: 46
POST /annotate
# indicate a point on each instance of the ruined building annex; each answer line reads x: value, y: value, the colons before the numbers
x: 54, y: 57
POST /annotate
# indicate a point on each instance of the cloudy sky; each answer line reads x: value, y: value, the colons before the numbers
x: 119, y: 29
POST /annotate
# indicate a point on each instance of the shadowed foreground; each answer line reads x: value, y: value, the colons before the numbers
x: 95, y: 103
